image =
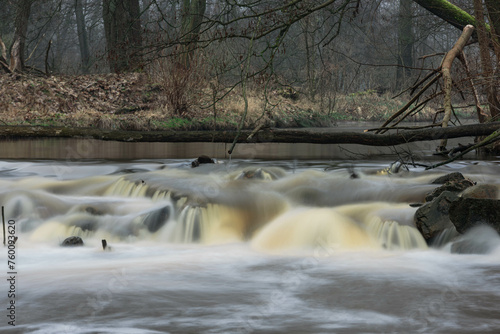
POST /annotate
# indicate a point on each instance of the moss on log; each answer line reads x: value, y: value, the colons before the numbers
x: 449, y: 12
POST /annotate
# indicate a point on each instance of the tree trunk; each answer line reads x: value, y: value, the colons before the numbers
x: 192, y: 15
x: 313, y: 136
x: 3, y: 57
x: 484, y: 51
x: 309, y: 29
x: 82, y: 36
x: 122, y: 28
x: 20, y: 30
x: 493, y: 7
x: 405, y: 42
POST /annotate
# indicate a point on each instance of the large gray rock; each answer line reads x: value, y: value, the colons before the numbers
x: 465, y: 213
x: 431, y: 219
x: 72, y: 242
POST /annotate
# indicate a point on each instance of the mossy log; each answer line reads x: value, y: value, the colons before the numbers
x: 449, y: 12
x: 271, y: 135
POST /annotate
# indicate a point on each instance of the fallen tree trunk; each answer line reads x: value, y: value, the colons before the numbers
x: 311, y: 135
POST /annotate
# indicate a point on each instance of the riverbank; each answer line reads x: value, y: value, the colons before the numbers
x: 138, y: 102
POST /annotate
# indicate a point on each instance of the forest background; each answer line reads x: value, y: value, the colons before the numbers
x: 220, y: 64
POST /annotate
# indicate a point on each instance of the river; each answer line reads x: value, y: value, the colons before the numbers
x: 240, y: 246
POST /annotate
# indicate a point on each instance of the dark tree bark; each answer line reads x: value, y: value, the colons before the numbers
x: 122, y: 28
x: 21, y: 28
x: 193, y: 12
x: 83, y: 40
x: 493, y: 7
x: 484, y: 52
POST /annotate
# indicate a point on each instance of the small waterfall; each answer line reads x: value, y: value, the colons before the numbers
x: 125, y: 188
x: 394, y: 236
x: 211, y: 224
x: 273, y: 210
x: 312, y: 229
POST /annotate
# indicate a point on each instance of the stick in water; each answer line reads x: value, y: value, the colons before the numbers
x: 3, y: 224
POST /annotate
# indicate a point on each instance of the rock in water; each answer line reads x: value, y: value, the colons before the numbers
x: 156, y: 219
x: 451, y: 186
x: 466, y: 213
x: 452, y: 177
x: 72, y: 241
x: 432, y: 218
x: 203, y: 159
x: 481, y: 191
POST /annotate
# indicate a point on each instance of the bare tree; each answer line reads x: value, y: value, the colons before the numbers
x: 405, y: 41
x: 192, y: 14
x: 19, y: 41
x: 83, y: 40
x: 122, y: 27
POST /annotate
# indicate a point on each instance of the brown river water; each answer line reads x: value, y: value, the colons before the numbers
x: 274, y: 239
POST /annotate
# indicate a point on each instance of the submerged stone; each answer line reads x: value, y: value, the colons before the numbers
x: 72, y: 242
x: 156, y: 219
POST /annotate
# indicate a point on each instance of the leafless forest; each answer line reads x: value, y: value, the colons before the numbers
x: 316, y: 50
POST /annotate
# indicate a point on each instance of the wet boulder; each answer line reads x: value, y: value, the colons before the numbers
x: 202, y: 159
x: 72, y: 242
x: 431, y: 219
x: 157, y: 219
x: 481, y: 191
x: 450, y: 186
x: 466, y: 213
x: 452, y: 177
x: 252, y: 173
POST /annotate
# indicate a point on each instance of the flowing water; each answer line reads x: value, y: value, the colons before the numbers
x: 241, y: 246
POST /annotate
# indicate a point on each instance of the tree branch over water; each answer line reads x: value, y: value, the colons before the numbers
x: 272, y: 135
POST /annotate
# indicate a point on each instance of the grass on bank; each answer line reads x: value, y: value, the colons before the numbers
x: 136, y: 102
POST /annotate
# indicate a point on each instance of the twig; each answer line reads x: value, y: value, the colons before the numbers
x: 407, y: 105
x: 47, y: 58
x: 481, y: 115
x: 413, y: 110
x: 432, y: 55
x: 407, y: 127
x: 417, y: 84
x: 3, y: 224
x: 244, y: 92
x: 488, y: 140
